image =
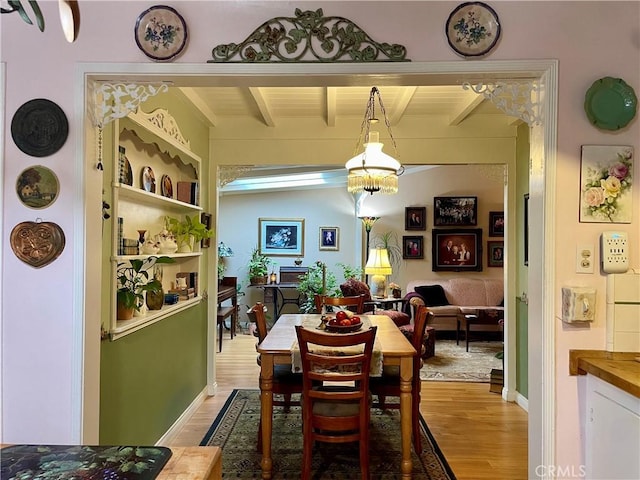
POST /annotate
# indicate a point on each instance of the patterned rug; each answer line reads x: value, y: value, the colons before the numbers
x: 452, y: 363
x: 236, y: 429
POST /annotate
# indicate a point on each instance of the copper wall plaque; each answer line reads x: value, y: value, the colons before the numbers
x: 37, y: 243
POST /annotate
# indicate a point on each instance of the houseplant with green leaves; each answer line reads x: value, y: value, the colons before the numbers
x: 258, y: 267
x: 187, y: 231
x: 133, y: 280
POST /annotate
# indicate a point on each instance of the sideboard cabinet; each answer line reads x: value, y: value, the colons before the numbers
x: 155, y: 175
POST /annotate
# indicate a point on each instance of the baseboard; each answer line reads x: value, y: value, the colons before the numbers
x: 181, y: 421
x: 523, y: 402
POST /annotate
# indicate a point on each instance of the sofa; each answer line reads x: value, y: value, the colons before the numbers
x: 452, y: 298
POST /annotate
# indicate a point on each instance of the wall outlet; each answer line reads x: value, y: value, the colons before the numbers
x: 585, y: 258
x: 615, y: 254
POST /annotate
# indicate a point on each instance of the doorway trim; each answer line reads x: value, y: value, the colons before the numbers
x: 541, y: 276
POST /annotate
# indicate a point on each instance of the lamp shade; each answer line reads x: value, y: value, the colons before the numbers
x: 373, y: 170
x: 224, y: 251
x: 378, y: 263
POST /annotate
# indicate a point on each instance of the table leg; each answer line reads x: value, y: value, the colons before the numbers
x: 266, y: 412
x: 406, y: 375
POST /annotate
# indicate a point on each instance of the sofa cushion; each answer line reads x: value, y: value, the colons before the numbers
x: 433, y: 295
x: 353, y: 288
x: 399, y: 318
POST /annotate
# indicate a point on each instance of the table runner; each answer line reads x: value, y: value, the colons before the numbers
x: 312, y: 323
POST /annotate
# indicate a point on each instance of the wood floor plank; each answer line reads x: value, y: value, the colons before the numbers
x: 481, y: 436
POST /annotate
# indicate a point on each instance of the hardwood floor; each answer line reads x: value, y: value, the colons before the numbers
x: 481, y: 436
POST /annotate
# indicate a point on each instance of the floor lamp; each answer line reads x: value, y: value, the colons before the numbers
x: 368, y: 225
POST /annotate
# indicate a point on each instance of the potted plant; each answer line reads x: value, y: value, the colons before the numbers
x: 187, y: 231
x: 133, y: 280
x: 258, y: 267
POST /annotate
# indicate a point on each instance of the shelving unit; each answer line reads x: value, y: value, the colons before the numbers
x: 152, y: 141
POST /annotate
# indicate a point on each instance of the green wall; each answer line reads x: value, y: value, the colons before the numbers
x: 151, y: 376
x: 522, y: 322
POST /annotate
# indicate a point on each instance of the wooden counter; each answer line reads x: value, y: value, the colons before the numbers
x: 621, y: 369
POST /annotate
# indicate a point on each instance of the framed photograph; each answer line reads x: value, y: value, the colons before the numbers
x: 453, y: 211
x: 526, y: 229
x: 496, y: 224
x: 606, y: 175
x: 205, y: 218
x: 329, y: 238
x: 415, y: 218
x: 457, y: 249
x: 281, y: 236
x: 413, y: 247
x: 495, y: 253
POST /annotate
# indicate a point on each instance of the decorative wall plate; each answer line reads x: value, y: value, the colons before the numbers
x: 39, y: 127
x: 161, y: 33
x: 37, y: 243
x: 37, y: 187
x: 473, y: 29
x: 610, y: 103
x: 166, y: 186
x: 148, y: 180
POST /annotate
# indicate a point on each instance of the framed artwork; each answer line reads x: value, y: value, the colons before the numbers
x: 205, y: 218
x: 37, y: 187
x: 329, y: 238
x: 413, y: 247
x: 281, y: 236
x: 606, y: 174
x: 453, y: 211
x: 526, y: 229
x: 495, y: 253
x: 415, y: 218
x: 457, y: 249
x: 496, y: 224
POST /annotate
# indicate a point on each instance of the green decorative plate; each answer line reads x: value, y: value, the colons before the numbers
x: 610, y: 103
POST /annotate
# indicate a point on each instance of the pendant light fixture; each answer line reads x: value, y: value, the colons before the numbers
x: 372, y: 170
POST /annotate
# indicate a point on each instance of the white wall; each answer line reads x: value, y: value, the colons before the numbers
x: 41, y: 332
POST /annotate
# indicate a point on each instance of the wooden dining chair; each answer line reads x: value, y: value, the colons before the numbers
x: 337, y: 412
x: 285, y: 381
x: 388, y: 385
x: 355, y: 303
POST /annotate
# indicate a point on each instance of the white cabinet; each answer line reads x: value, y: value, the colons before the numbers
x: 145, y: 189
x: 612, y: 432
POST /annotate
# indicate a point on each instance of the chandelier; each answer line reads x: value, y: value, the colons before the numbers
x: 373, y: 170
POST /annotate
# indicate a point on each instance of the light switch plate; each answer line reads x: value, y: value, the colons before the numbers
x: 585, y: 258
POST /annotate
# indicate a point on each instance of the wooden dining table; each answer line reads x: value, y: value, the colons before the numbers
x: 277, y: 349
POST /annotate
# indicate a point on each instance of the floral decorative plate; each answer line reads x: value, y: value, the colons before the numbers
x: 166, y: 186
x: 610, y: 103
x: 473, y: 29
x: 39, y: 127
x: 161, y: 33
x: 148, y: 180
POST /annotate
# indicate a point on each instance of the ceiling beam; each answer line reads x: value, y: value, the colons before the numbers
x: 260, y: 98
x: 401, y: 104
x: 332, y: 93
x: 200, y: 104
x: 465, y: 109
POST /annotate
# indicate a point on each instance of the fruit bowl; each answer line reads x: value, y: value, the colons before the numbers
x: 344, y: 328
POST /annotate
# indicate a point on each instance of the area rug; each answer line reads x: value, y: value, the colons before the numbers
x: 452, y: 363
x: 235, y: 430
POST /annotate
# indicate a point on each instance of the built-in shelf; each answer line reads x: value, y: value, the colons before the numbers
x: 123, y: 258
x: 127, y: 192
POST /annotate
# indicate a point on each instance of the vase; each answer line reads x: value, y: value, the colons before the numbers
x: 185, y: 243
x: 155, y: 299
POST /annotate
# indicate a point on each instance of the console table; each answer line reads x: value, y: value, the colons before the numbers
x: 274, y: 293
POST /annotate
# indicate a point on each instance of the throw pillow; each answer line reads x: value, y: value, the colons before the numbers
x: 433, y: 295
x: 353, y: 288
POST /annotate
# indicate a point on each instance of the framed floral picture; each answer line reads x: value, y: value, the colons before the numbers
x: 281, y: 236
x: 457, y: 249
x: 606, y: 184
x: 329, y: 238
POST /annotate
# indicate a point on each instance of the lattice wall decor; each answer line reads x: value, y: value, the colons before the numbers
x: 308, y: 37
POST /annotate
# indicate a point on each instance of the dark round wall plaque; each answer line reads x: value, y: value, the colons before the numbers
x: 39, y: 127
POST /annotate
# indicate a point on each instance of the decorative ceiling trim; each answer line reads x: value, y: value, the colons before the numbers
x: 519, y: 99
x: 108, y: 101
x: 228, y: 173
x: 309, y: 33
